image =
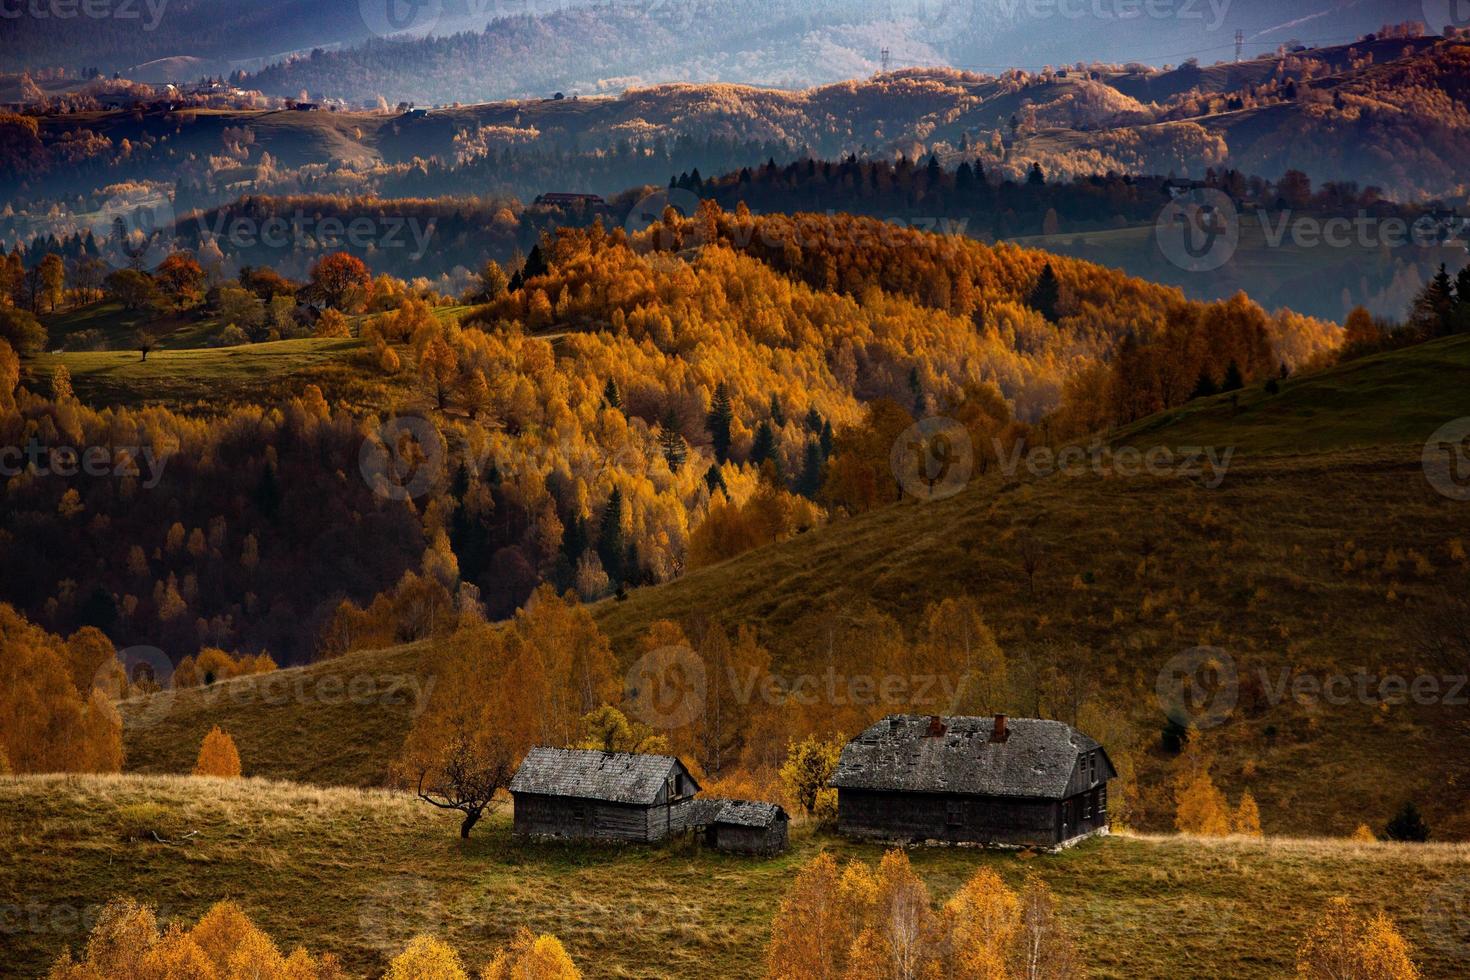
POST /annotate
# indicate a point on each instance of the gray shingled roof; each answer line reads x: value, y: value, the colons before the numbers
x: 744, y: 813
x: 616, y: 777
x: 897, y: 753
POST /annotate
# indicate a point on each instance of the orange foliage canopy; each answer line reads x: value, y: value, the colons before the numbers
x: 52, y: 718
x: 218, y: 756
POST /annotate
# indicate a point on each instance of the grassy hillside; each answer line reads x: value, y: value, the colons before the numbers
x: 182, y: 371
x: 1395, y: 398
x: 249, y: 372
x: 358, y: 873
x: 1309, y: 279
x: 1284, y: 564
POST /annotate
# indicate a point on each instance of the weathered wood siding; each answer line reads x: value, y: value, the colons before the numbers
x: 944, y: 817
x: 1083, y: 813
x: 578, y: 819
x: 739, y: 839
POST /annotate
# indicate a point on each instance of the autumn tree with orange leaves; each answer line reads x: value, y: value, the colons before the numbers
x: 218, y: 756
x: 856, y: 924
x: 52, y: 716
x: 339, y: 280
x: 1344, y: 944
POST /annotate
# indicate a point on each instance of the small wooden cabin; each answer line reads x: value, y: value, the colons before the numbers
x: 1020, y: 782
x: 581, y: 794
x: 740, y: 826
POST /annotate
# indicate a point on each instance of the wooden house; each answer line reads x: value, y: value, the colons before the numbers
x: 583, y: 794
x: 1019, y: 782
x: 739, y: 826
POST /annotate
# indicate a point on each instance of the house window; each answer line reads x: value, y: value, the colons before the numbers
x: 954, y: 815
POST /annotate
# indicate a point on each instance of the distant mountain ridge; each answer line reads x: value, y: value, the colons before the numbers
x: 593, y: 46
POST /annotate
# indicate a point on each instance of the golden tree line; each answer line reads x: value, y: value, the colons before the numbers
x: 850, y: 923
x: 56, y: 712
x: 714, y: 695
x: 908, y: 323
x: 128, y: 943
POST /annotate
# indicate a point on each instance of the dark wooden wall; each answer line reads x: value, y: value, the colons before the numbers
x: 578, y: 819
x: 943, y: 817
x: 748, y: 840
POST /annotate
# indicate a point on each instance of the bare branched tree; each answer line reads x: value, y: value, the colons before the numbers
x: 471, y: 769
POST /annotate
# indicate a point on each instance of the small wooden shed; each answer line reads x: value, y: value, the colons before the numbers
x: 740, y: 826
x: 591, y: 795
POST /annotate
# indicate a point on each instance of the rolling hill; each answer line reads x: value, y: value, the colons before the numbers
x: 1299, y: 564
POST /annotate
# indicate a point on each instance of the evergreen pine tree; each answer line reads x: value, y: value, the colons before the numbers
x: 763, y: 446
x: 810, y: 483
x: 1046, y: 294
x: 671, y: 442
x: 1233, y: 379
x: 611, y: 547
x: 778, y: 414
x: 1432, y: 314
x: 720, y: 417
x: 1205, y: 386
x: 714, y: 479
x: 611, y: 396
x: 1407, y: 825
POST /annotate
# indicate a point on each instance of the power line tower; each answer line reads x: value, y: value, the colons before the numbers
x: 1239, y: 43
x: 885, y: 57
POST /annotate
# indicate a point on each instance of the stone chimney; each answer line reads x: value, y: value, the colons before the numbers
x: 1000, y: 733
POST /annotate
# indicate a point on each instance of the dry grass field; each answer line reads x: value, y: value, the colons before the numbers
x: 358, y: 872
